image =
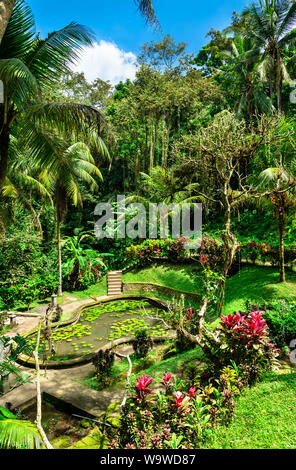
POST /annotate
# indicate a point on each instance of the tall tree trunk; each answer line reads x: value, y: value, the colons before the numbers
x: 231, y: 244
x: 281, y: 247
x: 137, y: 173
x: 165, y: 143
x: 6, y: 7
x: 278, y: 83
x: 59, y: 253
x: 36, y: 217
x: 4, y: 146
x: 152, y: 143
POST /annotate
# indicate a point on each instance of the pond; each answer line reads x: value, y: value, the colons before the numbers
x: 100, y: 324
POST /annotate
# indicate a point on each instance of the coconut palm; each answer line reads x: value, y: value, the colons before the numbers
x: 28, y: 64
x: 62, y: 169
x: 282, y: 200
x: 241, y: 62
x: 145, y: 7
x: 273, y: 31
x: 24, y: 181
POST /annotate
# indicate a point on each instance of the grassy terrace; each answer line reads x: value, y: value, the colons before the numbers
x: 152, y: 365
x: 258, y: 284
x: 265, y: 417
x: 255, y: 283
x: 181, y: 277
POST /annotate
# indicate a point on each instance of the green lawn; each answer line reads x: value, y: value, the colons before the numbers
x: 153, y: 366
x: 257, y: 284
x: 265, y: 417
x: 181, y: 277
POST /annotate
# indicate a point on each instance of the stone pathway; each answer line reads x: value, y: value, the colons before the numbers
x: 62, y: 383
x: 25, y: 324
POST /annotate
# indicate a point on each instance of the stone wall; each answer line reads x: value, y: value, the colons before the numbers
x: 156, y: 288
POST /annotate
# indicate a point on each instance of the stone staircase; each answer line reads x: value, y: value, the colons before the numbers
x: 114, y: 282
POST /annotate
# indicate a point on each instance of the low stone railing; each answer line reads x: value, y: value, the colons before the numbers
x: 30, y: 362
x: 159, y: 289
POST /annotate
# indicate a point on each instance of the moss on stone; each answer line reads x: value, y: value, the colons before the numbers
x: 61, y: 442
x: 94, y: 440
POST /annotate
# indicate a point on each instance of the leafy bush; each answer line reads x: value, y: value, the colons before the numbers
x: 28, y: 291
x: 178, y: 415
x: 142, y: 343
x: 20, y: 257
x: 263, y: 251
x: 242, y: 339
x: 281, y: 321
x: 103, y: 362
x: 177, y: 249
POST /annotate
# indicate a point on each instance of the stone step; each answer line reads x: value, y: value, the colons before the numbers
x: 114, y: 282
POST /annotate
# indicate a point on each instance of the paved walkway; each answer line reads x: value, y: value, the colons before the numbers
x: 64, y: 383
x: 25, y: 324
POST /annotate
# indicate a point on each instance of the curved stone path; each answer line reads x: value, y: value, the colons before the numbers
x: 63, y: 384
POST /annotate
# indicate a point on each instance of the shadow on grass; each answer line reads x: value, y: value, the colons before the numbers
x: 258, y: 284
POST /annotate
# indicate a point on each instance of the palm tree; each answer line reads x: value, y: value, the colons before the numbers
x: 282, y: 200
x: 63, y: 168
x: 272, y: 31
x: 145, y: 7
x: 241, y: 62
x: 24, y: 181
x: 27, y: 65
x: 17, y: 433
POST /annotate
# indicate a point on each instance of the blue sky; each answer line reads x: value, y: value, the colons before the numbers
x: 120, y: 30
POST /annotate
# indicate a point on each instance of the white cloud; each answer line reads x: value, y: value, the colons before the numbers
x: 106, y: 61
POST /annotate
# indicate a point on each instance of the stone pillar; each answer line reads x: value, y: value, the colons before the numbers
x: 54, y: 300
x: 12, y: 319
x: 4, y: 383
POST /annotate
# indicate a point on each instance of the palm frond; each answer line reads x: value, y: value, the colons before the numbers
x: 287, y: 19
x: 19, y: 34
x: 19, y: 82
x: 18, y: 434
x: 146, y: 10
x: 54, y: 55
x: 67, y: 117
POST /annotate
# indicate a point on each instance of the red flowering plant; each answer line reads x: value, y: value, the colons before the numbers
x: 142, y: 387
x: 243, y: 338
x: 211, y: 253
x: 151, y: 424
x: 178, y: 248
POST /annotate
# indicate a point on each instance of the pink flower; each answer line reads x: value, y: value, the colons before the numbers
x: 143, y: 382
x: 192, y: 391
x: 231, y: 321
x: 142, y: 386
x: 179, y: 398
x: 166, y: 377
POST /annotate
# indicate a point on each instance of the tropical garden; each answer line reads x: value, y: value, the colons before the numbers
x: 198, y: 349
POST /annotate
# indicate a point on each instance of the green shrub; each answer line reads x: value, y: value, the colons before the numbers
x: 281, y: 322
x: 142, y: 343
